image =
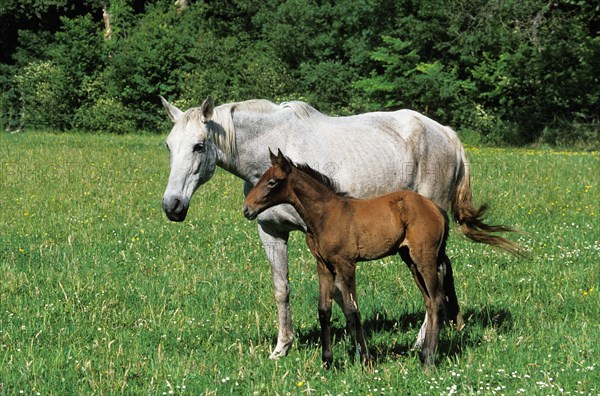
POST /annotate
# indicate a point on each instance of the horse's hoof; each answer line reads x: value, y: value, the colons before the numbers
x: 277, y: 354
x: 280, y: 351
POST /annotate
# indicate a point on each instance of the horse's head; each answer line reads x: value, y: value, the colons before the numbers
x: 272, y: 188
x: 193, y: 156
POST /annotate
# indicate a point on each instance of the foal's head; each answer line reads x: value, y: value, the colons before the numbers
x: 272, y: 188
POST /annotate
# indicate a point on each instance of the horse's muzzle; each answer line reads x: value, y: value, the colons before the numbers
x: 175, y: 208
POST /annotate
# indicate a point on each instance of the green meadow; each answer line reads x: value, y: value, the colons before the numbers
x: 102, y: 295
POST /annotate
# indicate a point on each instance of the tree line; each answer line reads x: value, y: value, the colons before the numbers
x: 498, y: 71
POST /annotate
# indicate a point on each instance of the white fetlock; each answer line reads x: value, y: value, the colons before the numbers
x: 418, y: 345
x: 281, y: 350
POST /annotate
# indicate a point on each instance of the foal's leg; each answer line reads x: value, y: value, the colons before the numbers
x: 404, y: 254
x: 435, y: 312
x: 423, y: 266
x: 275, y: 244
x: 345, y: 282
x: 418, y: 345
x: 326, y: 286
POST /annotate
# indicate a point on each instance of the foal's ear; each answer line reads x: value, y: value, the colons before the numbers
x: 273, y: 157
x: 174, y: 112
x: 208, y: 106
x: 284, y: 162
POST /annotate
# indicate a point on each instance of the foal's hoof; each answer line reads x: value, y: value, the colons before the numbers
x: 367, y: 361
x: 428, y: 361
x: 459, y: 323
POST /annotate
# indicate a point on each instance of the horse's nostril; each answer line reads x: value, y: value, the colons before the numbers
x: 176, y: 204
x: 175, y: 207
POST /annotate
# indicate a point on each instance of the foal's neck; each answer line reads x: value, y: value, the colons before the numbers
x: 312, y: 200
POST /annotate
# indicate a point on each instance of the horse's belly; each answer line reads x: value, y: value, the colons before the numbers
x: 378, y: 236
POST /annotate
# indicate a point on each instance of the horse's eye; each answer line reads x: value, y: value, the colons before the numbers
x: 199, y: 147
x: 272, y: 183
x: 167, y: 146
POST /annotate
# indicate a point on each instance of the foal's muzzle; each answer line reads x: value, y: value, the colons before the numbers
x: 175, y: 207
x: 250, y: 214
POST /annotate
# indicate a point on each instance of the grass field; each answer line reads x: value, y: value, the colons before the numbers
x: 101, y: 294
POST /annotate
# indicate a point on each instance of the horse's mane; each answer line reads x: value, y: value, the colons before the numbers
x: 223, y: 130
x: 321, y: 178
x: 263, y: 106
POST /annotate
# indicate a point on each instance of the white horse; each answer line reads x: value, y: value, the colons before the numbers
x: 368, y: 155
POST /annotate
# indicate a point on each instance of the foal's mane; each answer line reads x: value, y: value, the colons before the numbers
x: 321, y: 178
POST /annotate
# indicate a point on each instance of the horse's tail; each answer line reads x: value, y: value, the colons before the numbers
x: 471, y: 218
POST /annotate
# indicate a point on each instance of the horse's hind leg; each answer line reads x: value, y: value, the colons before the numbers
x: 326, y: 286
x: 345, y: 282
x: 453, y: 313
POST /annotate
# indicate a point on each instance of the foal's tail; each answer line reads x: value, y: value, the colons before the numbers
x: 470, y: 218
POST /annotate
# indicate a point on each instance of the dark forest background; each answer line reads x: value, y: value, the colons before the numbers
x: 500, y: 71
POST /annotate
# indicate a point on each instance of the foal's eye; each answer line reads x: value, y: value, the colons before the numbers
x: 272, y: 183
x: 198, y: 147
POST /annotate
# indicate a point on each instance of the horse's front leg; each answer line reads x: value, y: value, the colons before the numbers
x: 275, y: 244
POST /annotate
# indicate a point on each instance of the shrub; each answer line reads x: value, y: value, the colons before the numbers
x: 255, y: 72
x: 9, y: 99
x: 41, y: 87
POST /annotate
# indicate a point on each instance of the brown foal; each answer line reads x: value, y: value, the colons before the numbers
x: 343, y: 230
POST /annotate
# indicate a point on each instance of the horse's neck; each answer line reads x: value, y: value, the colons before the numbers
x: 251, y: 158
x: 312, y: 200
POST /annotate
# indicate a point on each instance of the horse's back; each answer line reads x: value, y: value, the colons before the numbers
x: 371, y: 154
x: 409, y: 125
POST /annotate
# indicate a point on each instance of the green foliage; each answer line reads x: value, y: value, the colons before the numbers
x: 143, y: 65
x: 79, y: 51
x: 105, y: 114
x: 33, y: 47
x: 49, y: 77
x: 511, y: 72
x: 42, y: 87
x: 407, y: 82
x: 326, y: 45
x: 509, y: 75
x: 581, y: 134
x: 9, y: 99
x: 30, y: 7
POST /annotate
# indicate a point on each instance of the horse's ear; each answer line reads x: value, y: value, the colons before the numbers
x: 208, y: 106
x: 174, y: 112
